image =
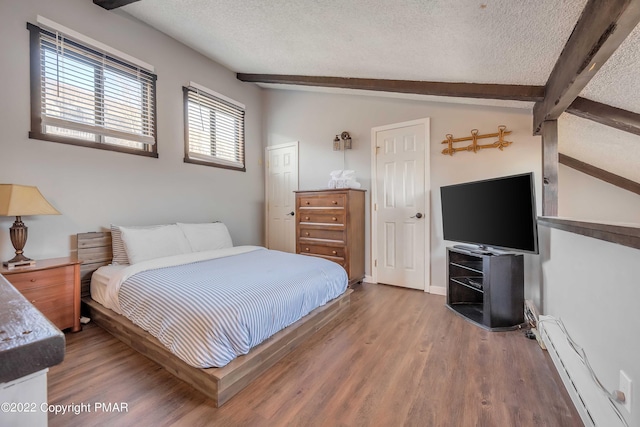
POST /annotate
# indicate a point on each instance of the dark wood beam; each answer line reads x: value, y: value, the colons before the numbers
x: 618, y: 118
x: 602, y: 27
x: 622, y: 235
x: 113, y: 4
x: 550, y: 168
x: 463, y: 90
x: 601, y: 174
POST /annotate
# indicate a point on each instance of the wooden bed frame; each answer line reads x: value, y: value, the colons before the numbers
x: 220, y: 384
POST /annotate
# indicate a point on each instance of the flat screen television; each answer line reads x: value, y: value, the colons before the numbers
x: 498, y: 212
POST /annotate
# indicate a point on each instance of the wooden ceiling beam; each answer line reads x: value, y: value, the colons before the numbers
x: 618, y: 118
x: 601, y: 174
x: 550, y: 168
x: 113, y: 4
x: 462, y: 90
x: 602, y: 27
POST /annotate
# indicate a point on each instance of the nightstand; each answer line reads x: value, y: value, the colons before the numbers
x: 53, y: 287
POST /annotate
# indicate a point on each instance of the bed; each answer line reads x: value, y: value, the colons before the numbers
x: 250, y: 350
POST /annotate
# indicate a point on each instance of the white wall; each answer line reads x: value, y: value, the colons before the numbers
x: 584, y: 197
x: 592, y: 286
x: 315, y: 118
x: 588, y: 283
x: 599, y: 145
x: 93, y: 188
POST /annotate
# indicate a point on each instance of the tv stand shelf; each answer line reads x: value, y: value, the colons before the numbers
x: 474, y: 283
x: 486, y: 289
x: 475, y: 266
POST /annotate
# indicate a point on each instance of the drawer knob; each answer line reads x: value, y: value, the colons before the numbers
x: 33, y: 301
x: 334, y: 202
x: 306, y: 234
x: 334, y: 218
x: 307, y: 218
x: 33, y: 280
x: 306, y: 249
x: 334, y: 252
x: 307, y: 202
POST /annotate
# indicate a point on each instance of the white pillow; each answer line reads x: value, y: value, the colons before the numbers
x: 117, y: 246
x: 143, y: 244
x: 207, y: 236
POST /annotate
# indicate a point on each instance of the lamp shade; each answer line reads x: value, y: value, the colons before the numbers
x: 22, y: 200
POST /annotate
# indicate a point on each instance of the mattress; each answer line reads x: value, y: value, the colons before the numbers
x: 209, y: 308
x: 100, y: 280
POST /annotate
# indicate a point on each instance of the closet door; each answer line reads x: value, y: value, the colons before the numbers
x: 281, y: 177
x: 401, y: 205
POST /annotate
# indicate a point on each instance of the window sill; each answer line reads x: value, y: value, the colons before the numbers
x: 215, y: 165
x: 89, y: 144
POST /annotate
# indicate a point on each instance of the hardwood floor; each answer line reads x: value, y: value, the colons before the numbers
x: 398, y: 357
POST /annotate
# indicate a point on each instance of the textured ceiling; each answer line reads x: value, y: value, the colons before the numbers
x: 617, y: 81
x: 479, y: 41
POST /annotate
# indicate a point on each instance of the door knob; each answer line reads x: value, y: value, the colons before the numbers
x: 418, y: 215
x: 291, y: 213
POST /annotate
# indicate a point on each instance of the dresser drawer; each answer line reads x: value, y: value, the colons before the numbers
x: 49, y: 295
x: 332, y: 251
x: 321, y: 234
x: 55, y: 301
x: 322, y: 201
x: 328, y: 218
x: 61, y: 315
x: 40, y: 279
x: 340, y: 261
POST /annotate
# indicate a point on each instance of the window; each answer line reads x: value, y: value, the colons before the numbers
x: 214, y: 129
x: 82, y: 95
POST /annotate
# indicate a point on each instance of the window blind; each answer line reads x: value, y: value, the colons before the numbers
x: 214, y: 129
x: 89, y: 95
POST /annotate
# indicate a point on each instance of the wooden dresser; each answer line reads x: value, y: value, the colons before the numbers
x: 53, y: 287
x: 330, y: 225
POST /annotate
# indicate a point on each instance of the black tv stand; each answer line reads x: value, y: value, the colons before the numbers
x: 486, y: 288
x: 481, y: 249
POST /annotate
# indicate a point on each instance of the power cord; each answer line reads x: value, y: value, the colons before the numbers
x: 614, y: 397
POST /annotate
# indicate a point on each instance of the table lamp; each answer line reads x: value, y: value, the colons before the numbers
x: 18, y: 201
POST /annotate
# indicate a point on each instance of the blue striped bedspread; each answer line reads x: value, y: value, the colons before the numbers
x: 209, y: 312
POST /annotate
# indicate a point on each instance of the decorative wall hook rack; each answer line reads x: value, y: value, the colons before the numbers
x: 474, y: 146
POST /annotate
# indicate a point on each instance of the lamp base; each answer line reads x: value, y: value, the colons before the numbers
x: 19, y: 261
x: 11, y: 264
x: 18, y: 234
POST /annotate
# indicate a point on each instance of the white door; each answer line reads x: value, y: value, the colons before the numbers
x: 281, y: 182
x: 401, y: 204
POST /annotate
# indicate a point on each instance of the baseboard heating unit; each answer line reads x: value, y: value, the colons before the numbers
x: 594, y: 407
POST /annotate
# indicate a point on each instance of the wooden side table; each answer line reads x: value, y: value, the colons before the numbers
x: 53, y: 287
